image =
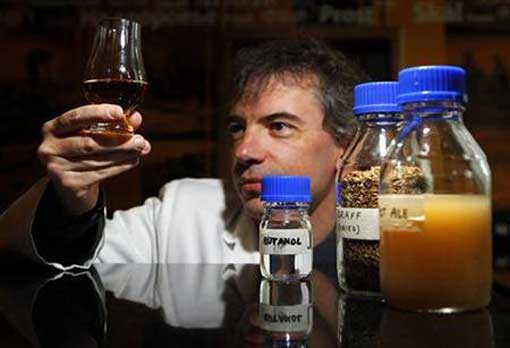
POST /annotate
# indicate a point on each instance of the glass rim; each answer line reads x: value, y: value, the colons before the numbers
x: 103, y: 21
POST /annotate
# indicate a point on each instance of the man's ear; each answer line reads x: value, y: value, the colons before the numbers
x: 343, y: 149
x: 339, y: 155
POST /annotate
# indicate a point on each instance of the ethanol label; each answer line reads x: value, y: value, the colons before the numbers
x: 285, y: 318
x: 284, y: 242
x: 402, y: 213
x: 358, y: 223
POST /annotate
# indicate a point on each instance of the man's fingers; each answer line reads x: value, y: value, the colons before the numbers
x: 78, y: 146
x: 135, y: 119
x: 147, y: 148
x: 116, y: 170
x: 82, y: 117
x: 93, y: 162
x: 76, y: 180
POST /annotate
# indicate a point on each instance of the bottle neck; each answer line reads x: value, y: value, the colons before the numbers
x: 434, y: 110
x: 301, y: 206
x: 381, y: 119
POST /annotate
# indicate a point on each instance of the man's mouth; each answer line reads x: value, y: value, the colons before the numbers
x: 250, y: 186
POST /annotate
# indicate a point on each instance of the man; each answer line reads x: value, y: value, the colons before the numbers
x: 290, y: 114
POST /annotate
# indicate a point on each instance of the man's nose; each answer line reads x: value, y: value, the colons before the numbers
x: 251, y: 148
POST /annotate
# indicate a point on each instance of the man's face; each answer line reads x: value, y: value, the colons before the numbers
x: 280, y: 132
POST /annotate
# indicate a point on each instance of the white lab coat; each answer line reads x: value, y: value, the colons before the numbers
x: 192, y: 221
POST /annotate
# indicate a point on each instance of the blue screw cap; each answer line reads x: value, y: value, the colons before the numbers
x: 432, y: 83
x: 375, y: 97
x: 285, y: 189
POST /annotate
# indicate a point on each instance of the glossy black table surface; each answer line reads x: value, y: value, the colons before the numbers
x: 222, y: 306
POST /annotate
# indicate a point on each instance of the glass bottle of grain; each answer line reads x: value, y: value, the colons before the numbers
x: 436, y: 241
x: 285, y: 237
x: 358, y: 177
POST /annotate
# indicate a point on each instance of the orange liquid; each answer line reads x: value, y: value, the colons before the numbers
x: 447, y: 266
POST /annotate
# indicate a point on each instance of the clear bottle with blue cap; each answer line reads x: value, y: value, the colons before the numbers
x: 285, y: 233
x: 357, y: 227
x: 434, y: 199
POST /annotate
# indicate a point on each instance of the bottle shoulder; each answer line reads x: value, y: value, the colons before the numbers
x: 449, y: 139
x: 370, y: 149
x: 438, y: 156
x: 285, y: 218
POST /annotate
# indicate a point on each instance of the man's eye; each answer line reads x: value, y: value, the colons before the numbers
x: 235, y: 129
x: 280, y: 128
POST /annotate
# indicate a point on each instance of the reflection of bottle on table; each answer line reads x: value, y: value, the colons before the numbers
x: 286, y: 310
x: 407, y: 329
x: 359, y: 318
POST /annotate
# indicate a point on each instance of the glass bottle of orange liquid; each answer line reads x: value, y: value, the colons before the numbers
x: 434, y: 201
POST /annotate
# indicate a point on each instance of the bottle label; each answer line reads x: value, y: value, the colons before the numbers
x: 285, y: 318
x: 358, y: 223
x: 402, y: 213
x: 284, y: 241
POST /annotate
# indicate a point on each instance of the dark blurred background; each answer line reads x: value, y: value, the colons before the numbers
x: 188, y: 47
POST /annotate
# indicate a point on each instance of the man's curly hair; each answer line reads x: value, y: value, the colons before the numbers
x: 336, y: 77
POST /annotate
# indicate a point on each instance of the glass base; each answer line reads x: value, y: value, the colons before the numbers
x: 286, y: 278
x: 115, y: 128
x: 285, y: 340
x: 439, y: 310
x: 362, y: 293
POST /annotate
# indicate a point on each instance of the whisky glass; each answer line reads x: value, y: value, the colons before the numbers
x: 115, y: 72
